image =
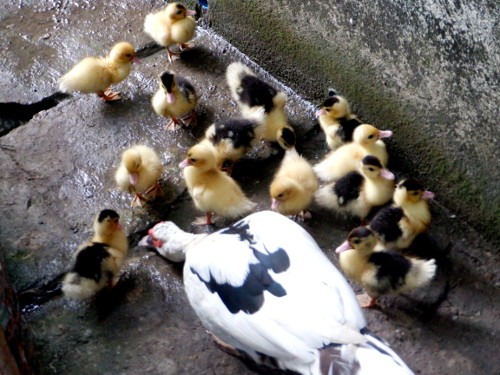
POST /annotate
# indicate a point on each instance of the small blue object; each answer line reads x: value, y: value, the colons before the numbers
x: 203, y: 3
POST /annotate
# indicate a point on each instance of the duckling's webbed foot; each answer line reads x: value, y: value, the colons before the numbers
x: 207, y: 220
x: 365, y: 301
x: 188, y: 119
x: 184, y: 46
x: 172, y: 54
x: 138, y: 200
x: 154, y: 191
x: 173, y: 124
x: 109, y: 95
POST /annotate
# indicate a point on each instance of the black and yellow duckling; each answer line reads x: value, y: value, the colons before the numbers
x: 252, y: 93
x: 99, y: 261
x: 176, y: 97
x: 397, y: 226
x: 366, y: 141
x: 337, y: 121
x: 384, y: 271
x: 359, y: 191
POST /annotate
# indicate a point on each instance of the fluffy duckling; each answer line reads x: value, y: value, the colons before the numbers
x: 252, y: 93
x: 366, y: 141
x: 337, y: 121
x: 172, y: 25
x: 99, y: 261
x: 138, y: 173
x: 175, y: 97
x: 359, y: 191
x: 96, y: 75
x: 212, y: 190
x: 233, y: 138
x: 381, y: 272
x: 293, y: 185
x: 397, y: 226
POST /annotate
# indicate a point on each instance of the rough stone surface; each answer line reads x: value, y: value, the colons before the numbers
x: 426, y: 70
x: 57, y: 172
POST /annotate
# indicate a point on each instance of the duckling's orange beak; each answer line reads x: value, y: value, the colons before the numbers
x: 344, y: 247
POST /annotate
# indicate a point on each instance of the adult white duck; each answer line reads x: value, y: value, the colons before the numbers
x: 264, y: 287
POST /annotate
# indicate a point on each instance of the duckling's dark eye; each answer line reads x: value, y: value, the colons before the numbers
x: 193, y: 160
x: 371, y: 169
x: 179, y: 12
x: 357, y: 241
x: 280, y: 195
x: 128, y: 55
x: 415, y: 193
x: 327, y: 109
x: 370, y: 136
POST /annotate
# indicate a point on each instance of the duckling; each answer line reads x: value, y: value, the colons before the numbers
x: 366, y: 141
x: 359, y: 191
x: 293, y: 185
x: 381, y: 272
x: 138, y: 173
x: 397, y: 226
x: 233, y: 138
x: 212, y: 190
x: 172, y: 25
x: 99, y: 261
x: 175, y: 97
x: 252, y: 93
x: 96, y: 75
x: 337, y: 121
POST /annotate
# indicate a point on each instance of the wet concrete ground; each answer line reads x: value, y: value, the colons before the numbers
x: 58, y: 172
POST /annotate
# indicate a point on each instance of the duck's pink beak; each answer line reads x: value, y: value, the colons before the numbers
x: 136, y: 60
x: 185, y: 163
x: 387, y: 174
x: 170, y: 98
x: 133, y: 179
x: 274, y: 204
x: 428, y: 194
x: 344, y: 247
x: 385, y: 134
x: 320, y: 112
x: 190, y: 12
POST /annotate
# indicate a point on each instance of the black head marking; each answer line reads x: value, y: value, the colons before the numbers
x: 360, y: 232
x: 330, y: 101
x: 167, y: 80
x: 88, y: 261
x: 104, y: 214
x: 411, y: 185
x: 346, y: 128
x: 240, y: 131
x: 372, y: 160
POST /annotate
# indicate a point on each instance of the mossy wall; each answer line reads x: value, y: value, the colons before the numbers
x: 426, y: 70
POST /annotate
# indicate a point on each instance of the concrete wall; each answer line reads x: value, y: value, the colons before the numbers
x: 428, y: 70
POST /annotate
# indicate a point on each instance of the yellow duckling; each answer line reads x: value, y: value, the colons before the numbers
x: 176, y: 97
x: 213, y: 191
x: 233, y: 138
x: 397, y: 226
x: 99, y: 261
x: 138, y: 173
x: 293, y: 185
x: 359, y: 191
x: 97, y: 75
x: 366, y: 141
x: 252, y: 93
x: 337, y: 121
x: 381, y: 272
x: 172, y: 25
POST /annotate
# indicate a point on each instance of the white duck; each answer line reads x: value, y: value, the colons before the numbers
x: 264, y: 287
